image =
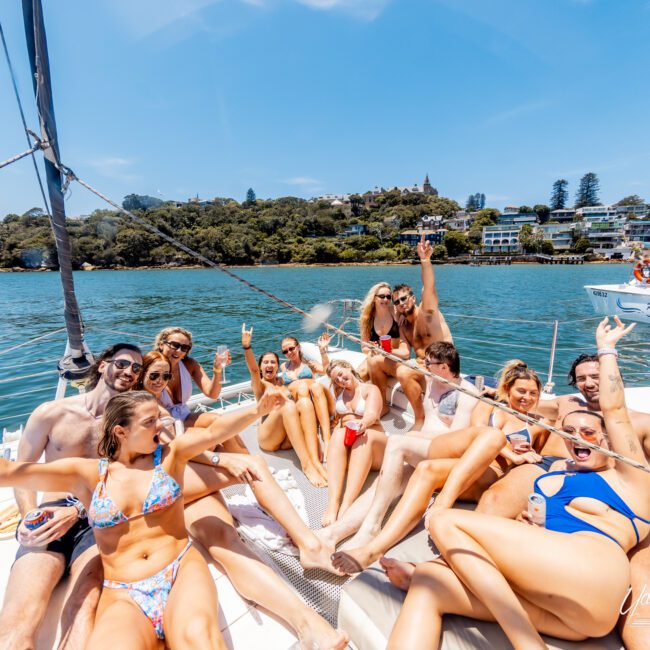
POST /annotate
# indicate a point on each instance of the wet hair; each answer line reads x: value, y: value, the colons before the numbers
x: 259, y: 360
x: 119, y: 412
x: 583, y: 358
x: 163, y: 335
x: 367, y: 309
x: 341, y: 363
x: 513, y: 370
x: 147, y: 361
x: 93, y: 373
x: 446, y: 353
x: 402, y: 287
x: 587, y: 412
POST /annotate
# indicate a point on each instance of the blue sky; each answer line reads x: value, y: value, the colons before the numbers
x: 175, y: 98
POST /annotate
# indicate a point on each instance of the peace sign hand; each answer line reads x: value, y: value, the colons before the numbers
x: 246, y: 336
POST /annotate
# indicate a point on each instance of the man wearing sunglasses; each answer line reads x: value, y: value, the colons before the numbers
x: 61, y: 429
x: 508, y: 496
x: 420, y: 326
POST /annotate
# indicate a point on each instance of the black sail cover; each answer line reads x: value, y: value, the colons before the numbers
x: 76, y: 363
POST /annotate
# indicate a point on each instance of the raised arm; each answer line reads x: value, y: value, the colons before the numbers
x: 74, y: 475
x: 622, y: 438
x: 198, y: 439
x: 251, y: 362
x: 429, y: 294
x: 323, y: 344
x: 209, y: 387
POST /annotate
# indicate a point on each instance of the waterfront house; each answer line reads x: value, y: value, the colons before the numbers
x: 606, y: 237
x: 638, y: 231
x: 412, y: 237
x: 559, y: 234
x: 461, y: 221
x: 636, y: 211
x: 501, y: 239
x: 517, y: 219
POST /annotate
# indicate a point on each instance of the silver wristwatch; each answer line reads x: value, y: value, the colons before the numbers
x: 215, y: 458
x: 73, y: 501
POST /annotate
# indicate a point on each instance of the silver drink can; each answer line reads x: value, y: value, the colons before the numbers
x: 479, y: 382
x: 537, y: 509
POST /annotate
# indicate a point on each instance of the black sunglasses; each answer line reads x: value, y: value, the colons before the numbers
x: 155, y: 376
x: 123, y: 364
x: 289, y: 349
x: 383, y: 296
x: 397, y: 301
x: 431, y: 362
x: 174, y: 345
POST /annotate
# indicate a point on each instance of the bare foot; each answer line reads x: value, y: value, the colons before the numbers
x: 318, y: 556
x: 354, y: 560
x: 385, y: 411
x: 399, y: 573
x: 417, y: 425
x: 314, y: 476
x: 315, y: 632
x: 329, y: 516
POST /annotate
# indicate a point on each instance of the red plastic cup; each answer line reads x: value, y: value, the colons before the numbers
x: 351, y: 432
x: 386, y: 343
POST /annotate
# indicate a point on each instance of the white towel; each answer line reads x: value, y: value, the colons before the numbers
x: 257, y: 526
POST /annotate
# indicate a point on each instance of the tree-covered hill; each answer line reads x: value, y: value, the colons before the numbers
x: 284, y: 230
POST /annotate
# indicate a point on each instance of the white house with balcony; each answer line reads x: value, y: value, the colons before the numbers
x: 563, y: 215
x: 501, y: 239
x: 559, y: 234
x: 597, y: 213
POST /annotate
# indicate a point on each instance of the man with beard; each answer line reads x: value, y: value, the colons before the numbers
x: 508, y: 496
x: 420, y: 326
x: 65, y: 543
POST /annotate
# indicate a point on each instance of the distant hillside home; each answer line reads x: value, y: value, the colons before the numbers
x: 510, y: 209
x: 559, y: 234
x: 412, y: 237
x: 425, y: 188
x: 597, y: 213
x: 638, y: 211
x: 517, y: 218
x: 461, y: 221
x: 638, y: 231
x: 563, y: 215
x: 335, y: 199
x: 355, y: 229
x: 430, y: 222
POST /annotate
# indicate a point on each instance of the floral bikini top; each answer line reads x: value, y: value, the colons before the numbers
x: 163, y: 492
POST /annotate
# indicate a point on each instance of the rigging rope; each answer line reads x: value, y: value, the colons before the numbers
x: 22, y: 117
x: 38, y: 338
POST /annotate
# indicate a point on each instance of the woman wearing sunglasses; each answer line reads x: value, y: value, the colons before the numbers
x: 315, y: 402
x: 175, y: 343
x: 358, y: 403
x: 378, y: 319
x: 568, y: 579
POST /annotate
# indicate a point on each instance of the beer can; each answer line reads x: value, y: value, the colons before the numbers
x: 537, y: 509
x: 479, y: 382
x: 35, y: 518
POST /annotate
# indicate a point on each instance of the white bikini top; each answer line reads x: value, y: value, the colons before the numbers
x: 179, y: 411
x: 342, y: 409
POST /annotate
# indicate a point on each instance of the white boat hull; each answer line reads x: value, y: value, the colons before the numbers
x: 628, y: 301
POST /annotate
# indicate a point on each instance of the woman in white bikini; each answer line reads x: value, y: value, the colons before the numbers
x: 360, y: 403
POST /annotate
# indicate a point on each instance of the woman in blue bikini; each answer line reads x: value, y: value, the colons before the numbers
x: 299, y: 375
x: 157, y: 587
x: 568, y: 579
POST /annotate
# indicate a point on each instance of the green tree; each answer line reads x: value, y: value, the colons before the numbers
x: 471, y: 204
x: 582, y: 245
x: 559, y: 195
x: 547, y: 247
x: 525, y: 209
x: 250, y: 196
x: 530, y: 239
x: 140, y: 202
x: 439, y: 252
x: 587, y: 194
x: 491, y: 213
x: 356, y: 205
x: 633, y: 199
x: 543, y: 212
x: 456, y: 243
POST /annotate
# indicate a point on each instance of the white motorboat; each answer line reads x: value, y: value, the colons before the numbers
x: 630, y: 300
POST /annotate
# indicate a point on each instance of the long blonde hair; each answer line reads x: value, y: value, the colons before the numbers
x: 368, y: 310
x: 341, y: 363
x: 163, y: 335
x: 513, y: 370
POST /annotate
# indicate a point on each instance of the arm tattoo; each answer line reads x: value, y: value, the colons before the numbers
x: 632, y: 443
x: 617, y: 384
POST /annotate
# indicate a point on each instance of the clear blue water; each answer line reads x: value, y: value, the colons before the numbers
x: 482, y: 306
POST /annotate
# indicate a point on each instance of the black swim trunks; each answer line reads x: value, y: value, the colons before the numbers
x: 547, y: 461
x: 79, y: 538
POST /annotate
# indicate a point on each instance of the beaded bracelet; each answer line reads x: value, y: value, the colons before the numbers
x: 602, y: 351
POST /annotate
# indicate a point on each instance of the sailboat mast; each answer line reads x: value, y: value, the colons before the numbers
x: 75, y: 361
